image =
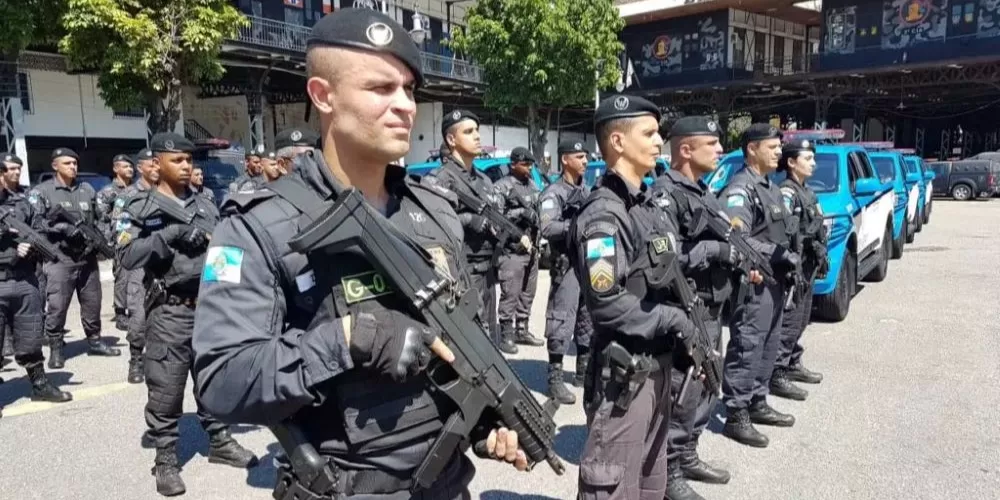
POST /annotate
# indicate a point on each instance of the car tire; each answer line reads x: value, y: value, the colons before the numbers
x: 920, y: 222
x: 882, y: 269
x: 927, y: 213
x: 962, y: 192
x: 835, y: 306
x: 899, y: 243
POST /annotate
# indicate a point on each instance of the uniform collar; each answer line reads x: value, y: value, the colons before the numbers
x: 679, y: 178
x: 451, y: 163
x: 59, y: 184
x: 763, y: 180
x: 632, y: 195
x: 118, y: 183
x: 316, y: 173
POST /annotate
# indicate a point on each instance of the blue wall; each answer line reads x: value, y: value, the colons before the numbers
x: 885, y: 32
x: 678, y: 52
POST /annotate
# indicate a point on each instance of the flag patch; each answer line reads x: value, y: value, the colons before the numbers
x: 223, y: 264
x: 598, y: 248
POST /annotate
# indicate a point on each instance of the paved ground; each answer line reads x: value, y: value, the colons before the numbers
x: 907, y: 410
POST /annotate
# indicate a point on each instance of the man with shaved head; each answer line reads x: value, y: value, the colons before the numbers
x: 328, y: 347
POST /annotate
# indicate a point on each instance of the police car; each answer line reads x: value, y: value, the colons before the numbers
x: 889, y: 167
x: 925, y: 182
x: 857, y: 214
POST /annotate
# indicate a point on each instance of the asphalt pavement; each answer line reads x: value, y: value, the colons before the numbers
x: 907, y: 409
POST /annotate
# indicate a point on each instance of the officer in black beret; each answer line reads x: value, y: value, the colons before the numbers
x: 10, y: 168
x: 566, y: 316
x: 253, y: 177
x: 457, y: 172
x: 77, y: 267
x: 798, y: 161
x: 172, y: 253
x: 123, y: 171
x: 708, y: 260
x: 270, y: 169
x: 290, y: 143
x: 333, y: 336
x: 518, y: 269
x: 755, y: 203
x: 619, y: 237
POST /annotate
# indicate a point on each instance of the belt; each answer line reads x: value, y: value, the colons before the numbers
x: 181, y: 300
x: 338, y: 483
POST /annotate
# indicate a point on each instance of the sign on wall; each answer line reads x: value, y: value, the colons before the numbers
x: 841, y: 29
x: 908, y: 22
x: 681, y: 45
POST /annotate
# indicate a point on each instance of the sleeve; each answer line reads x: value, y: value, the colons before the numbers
x: 440, y: 178
x: 40, y: 204
x: 136, y: 246
x: 553, y: 227
x: 103, y: 204
x: 738, y: 205
x: 248, y: 366
x: 605, y: 268
x: 699, y: 255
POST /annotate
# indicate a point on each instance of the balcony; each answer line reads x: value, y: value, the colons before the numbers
x: 289, y: 40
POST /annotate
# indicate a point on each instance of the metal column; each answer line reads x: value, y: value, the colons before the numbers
x: 255, y: 108
x: 11, y: 133
x: 945, y: 145
x: 919, y: 141
x: 890, y: 133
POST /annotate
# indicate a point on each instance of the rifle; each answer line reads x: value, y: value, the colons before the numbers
x: 93, y: 237
x: 734, y: 235
x: 172, y: 209
x: 507, y: 229
x: 480, y: 381
x: 699, y: 346
x: 533, y: 251
x: 27, y: 234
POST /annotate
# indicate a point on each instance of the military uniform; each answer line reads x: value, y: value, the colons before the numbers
x: 103, y: 212
x: 518, y: 272
x: 21, y: 301
x: 566, y: 315
x: 173, y: 255
x: 810, y: 241
x: 619, y: 237
x: 135, y: 286
x: 755, y: 325
x: 77, y: 268
x: 204, y: 191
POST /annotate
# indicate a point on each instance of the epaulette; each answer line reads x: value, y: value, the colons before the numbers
x: 242, y: 201
x: 435, y: 188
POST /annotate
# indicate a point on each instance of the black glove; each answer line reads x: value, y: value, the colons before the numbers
x: 787, y: 258
x: 728, y: 254
x: 530, y: 216
x: 392, y: 344
x: 67, y: 230
x: 479, y: 224
x: 192, y: 239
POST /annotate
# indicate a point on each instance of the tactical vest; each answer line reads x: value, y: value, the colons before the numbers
x: 778, y: 226
x: 714, y: 285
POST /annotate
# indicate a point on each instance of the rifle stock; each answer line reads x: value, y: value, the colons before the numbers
x: 172, y: 209
x: 480, y: 381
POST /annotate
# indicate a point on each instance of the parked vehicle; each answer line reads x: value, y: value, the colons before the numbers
x: 966, y: 179
x: 858, y: 212
x: 915, y: 165
x: 889, y: 167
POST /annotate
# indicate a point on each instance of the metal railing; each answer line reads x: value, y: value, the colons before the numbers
x: 273, y: 34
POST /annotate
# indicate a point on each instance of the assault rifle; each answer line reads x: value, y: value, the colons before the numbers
x: 26, y: 234
x: 93, y: 237
x: 505, y: 228
x: 482, y: 384
x: 172, y: 209
x: 733, y: 234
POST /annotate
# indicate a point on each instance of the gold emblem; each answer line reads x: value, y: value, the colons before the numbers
x: 602, y: 275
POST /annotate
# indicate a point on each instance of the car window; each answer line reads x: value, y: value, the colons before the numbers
x: 217, y: 173
x: 826, y: 176
x: 885, y: 168
x: 866, y: 165
x: 912, y: 165
x: 854, y: 171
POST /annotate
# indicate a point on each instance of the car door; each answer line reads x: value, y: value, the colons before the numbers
x: 879, y: 211
x: 857, y: 204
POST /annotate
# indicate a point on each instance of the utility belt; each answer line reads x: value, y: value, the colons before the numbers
x: 330, y: 482
x: 623, y: 372
x: 158, y: 294
x: 181, y: 300
x: 15, y: 273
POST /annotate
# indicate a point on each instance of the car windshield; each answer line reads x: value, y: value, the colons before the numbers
x: 217, y: 173
x: 825, y: 176
x: 884, y: 168
x: 912, y: 166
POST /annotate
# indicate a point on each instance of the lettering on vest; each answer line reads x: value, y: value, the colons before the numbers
x: 365, y: 286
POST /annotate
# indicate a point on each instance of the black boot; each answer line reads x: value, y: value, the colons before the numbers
x: 678, y: 487
x: 223, y: 449
x: 799, y: 373
x: 524, y: 337
x: 783, y: 388
x: 761, y: 413
x: 739, y: 429
x: 582, y: 362
x: 42, y: 389
x: 557, y: 387
x: 696, y: 470
x: 121, y: 319
x: 56, y: 359
x: 147, y: 441
x: 168, y: 473
x: 136, y: 373
x: 97, y: 348
x: 507, y: 345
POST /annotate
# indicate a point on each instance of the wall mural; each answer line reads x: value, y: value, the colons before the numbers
x: 712, y: 46
x: 841, y: 28
x: 989, y: 18
x: 662, y: 56
x: 908, y: 22
x: 680, y: 48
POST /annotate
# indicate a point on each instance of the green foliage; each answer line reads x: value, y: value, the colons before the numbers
x: 145, y: 51
x: 29, y: 22
x: 542, y: 52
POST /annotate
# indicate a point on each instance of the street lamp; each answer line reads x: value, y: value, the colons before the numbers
x: 421, y: 28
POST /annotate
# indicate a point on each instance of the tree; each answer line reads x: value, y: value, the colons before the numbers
x: 542, y: 55
x: 146, y: 51
x: 28, y: 22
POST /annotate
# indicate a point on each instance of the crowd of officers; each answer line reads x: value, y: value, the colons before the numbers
x: 271, y: 335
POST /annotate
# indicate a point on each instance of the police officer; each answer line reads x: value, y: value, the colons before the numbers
x: 293, y: 142
x: 694, y: 152
x: 271, y: 344
x: 173, y: 255
x: 269, y: 167
x: 518, y: 268
x: 77, y: 267
x: 798, y: 159
x: 122, y: 167
x: 566, y: 316
x: 149, y: 176
x: 619, y: 236
x: 20, y: 299
x: 10, y: 178
x: 755, y: 326
x: 461, y: 133
x: 198, y: 184
x: 253, y: 177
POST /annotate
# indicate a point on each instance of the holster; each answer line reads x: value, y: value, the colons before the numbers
x: 624, y: 373
x: 156, y: 294
x: 331, y: 483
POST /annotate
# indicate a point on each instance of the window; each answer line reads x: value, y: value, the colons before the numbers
x: 866, y: 165
x: 739, y: 48
x: 759, y: 49
x: 854, y: 170
x: 778, y: 54
x: 24, y: 90
x: 797, y: 55
x: 826, y: 175
x: 129, y: 113
x: 294, y: 16
x: 885, y: 167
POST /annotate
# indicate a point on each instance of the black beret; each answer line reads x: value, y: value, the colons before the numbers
x: 169, y: 142
x: 367, y: 30
x: 143, y: 154
x: 56, y: 153
x: 690, y: 126
x: 270, y: 155
x: 759, y: 132
x: 124, y: 158
x: 570, y: 146
x: 624, y: 106
x: 455, y: 117
x: 520, y: 154
x: 792, y: 148
x: 296, y: 137
x: 12, y: 158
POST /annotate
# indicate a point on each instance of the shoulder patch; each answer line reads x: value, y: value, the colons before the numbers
x: 223, y: 264
x: 735, y: 200
x: 600, y: 252
x: 548, y: 204
x: 33, y: 197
